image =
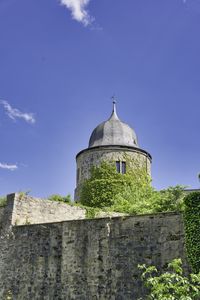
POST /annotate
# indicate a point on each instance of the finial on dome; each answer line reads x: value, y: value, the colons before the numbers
x: 114, y: 112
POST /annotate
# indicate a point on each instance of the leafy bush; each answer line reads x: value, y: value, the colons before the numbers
x: 59, y: 198
x: 105, y: 184
x: 130, y: 193
x: 101, y: 192
x: 138, y: 200
x: 192, y: 229
x: 91, y: 212
x: 170, y: 199
x: 171, y: 285
x: 3, y: 201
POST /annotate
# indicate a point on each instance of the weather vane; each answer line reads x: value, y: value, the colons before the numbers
x: 114, y: 100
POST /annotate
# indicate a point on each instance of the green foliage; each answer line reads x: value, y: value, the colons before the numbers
x: 130, y: 193
x: 134, y: 199
x: 23, y: 194
x: 91, y: 212
x: 192, y: 229
x: 105, y: 183
x: 170, y: 199
x: 3, y: 201
x: 171, y: 285
x: 95, y: 191
x: 144, y: 199
x: 59, y: 198
x: 100, y: 192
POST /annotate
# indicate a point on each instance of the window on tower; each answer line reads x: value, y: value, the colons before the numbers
x: 118, y: 166
x: 123, y: 167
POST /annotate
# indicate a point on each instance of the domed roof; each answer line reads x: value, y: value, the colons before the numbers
x: 113, y: 132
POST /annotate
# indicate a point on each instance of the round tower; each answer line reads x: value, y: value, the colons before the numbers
x: 112, y: 140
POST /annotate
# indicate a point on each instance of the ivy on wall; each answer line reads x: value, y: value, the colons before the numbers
x: 129, y: 193
x: 105, y: 184
x: 102, y: 187
x: 192, y: 229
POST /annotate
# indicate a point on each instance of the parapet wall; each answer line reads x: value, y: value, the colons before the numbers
x: 29, y: 210
x: 87, y: 259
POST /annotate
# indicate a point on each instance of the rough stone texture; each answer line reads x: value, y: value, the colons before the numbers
x: 29, y: 210
x: 1, y: 213
x: 86, y: 259
x: 107, y: 214
x: 92, y: 157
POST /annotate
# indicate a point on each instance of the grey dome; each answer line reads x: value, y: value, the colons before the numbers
x: 113, y: 132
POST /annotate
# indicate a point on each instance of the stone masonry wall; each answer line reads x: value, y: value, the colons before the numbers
x: 87, y: 259
x: 1, y: 213
x: 95, y: 156
x: 29, y: 210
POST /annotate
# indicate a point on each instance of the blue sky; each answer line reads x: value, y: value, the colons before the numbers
x: 59, y: 66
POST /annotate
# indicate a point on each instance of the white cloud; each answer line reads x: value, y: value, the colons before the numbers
x: 15, y: 113
x: 78, y: 10
x: 8, y: 167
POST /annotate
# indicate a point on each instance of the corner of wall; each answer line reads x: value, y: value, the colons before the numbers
x: 9, y: 209
x: 6, y: 215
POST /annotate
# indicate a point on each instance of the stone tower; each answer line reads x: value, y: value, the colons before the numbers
x: 112, y: 140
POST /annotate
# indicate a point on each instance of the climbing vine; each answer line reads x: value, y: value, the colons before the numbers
x: 192, y: 229
x: 105, y: 184
x: 129, y: 193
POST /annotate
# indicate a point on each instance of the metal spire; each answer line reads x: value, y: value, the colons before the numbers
x: 114, y: 111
